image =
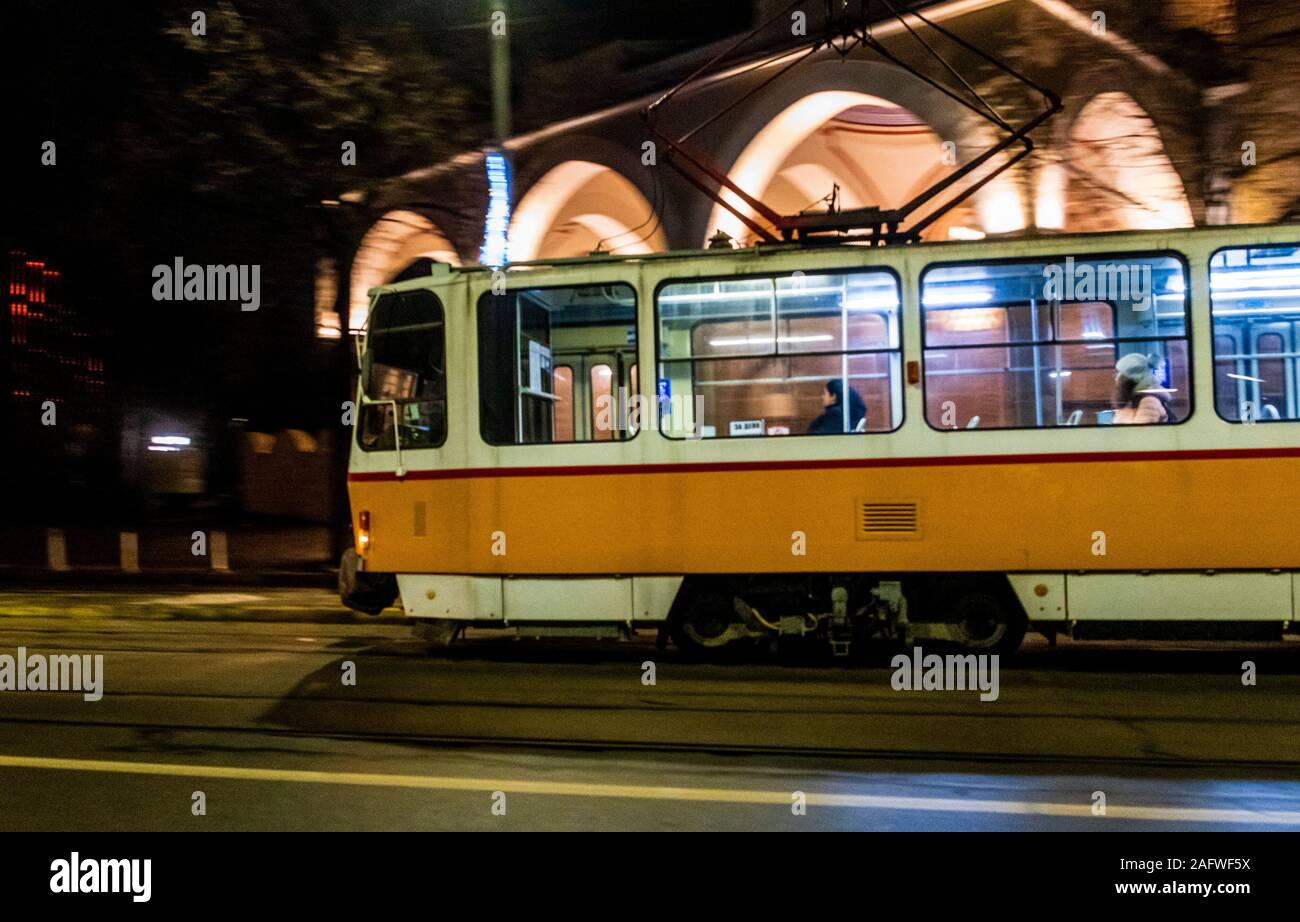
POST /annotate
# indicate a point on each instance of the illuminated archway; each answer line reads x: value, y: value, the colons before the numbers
x: 393, y: 243
x: 580, y: 206
x: 1119, y: 175
x: 866, y: 149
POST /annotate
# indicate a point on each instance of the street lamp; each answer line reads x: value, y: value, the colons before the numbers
x: 496, y: 224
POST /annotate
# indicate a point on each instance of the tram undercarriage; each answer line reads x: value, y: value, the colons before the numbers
x: 846, y: 613
x: 725, y: 617
x: 712, y: 616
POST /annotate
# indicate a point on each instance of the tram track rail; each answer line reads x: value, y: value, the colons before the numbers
x: 1072, y: 761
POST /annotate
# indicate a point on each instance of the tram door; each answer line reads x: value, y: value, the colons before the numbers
x: 589, y: 408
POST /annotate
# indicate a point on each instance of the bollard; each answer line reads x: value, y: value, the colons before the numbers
x: 220, y: 556
x: 56, y: 549
x: 128, y: 543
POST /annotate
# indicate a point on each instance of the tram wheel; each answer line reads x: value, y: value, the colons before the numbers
x: 987, y: 624
x: 706, y: 626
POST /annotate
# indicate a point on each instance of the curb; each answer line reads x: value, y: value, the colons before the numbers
x: 301, y: 595
x: 89, y: 577
x: 199, y: 606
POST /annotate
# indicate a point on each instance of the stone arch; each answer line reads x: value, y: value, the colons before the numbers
x: 395, y: 241
x: 761, y: 140
x: 1121, y: 176
x: 1149, y: 104
x: 576, y: 206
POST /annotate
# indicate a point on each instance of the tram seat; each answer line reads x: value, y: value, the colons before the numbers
x: 1270, y: 412
x: 861, y: 426
x: 974, y: 423
x: 1074, y: 418
x: 1105, y: 417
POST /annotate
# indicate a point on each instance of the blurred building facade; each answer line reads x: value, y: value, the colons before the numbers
x: 79, y: 452
x: 59, y: 442
x: 49, y: 353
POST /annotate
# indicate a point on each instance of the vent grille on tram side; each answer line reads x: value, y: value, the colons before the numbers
x: 878, y: 520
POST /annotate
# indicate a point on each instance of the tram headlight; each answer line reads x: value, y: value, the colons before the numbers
x: 363, y: 532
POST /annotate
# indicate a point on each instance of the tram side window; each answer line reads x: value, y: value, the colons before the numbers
x: 1255, y: 303
x: 555, y: 365
x: 1059, y: 342
x: 801, y: 354
x: 405, y: 362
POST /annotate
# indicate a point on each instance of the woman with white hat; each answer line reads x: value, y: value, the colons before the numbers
x: 1139, y: 396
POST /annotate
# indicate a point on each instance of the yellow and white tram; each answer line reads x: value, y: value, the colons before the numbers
x: 614, y: 443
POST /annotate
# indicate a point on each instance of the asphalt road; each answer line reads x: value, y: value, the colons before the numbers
x: 498, y: 734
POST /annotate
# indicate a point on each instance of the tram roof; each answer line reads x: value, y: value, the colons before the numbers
x: 1008, y: 242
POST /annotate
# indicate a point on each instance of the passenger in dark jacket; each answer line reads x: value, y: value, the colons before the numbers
x: 832, y: 418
